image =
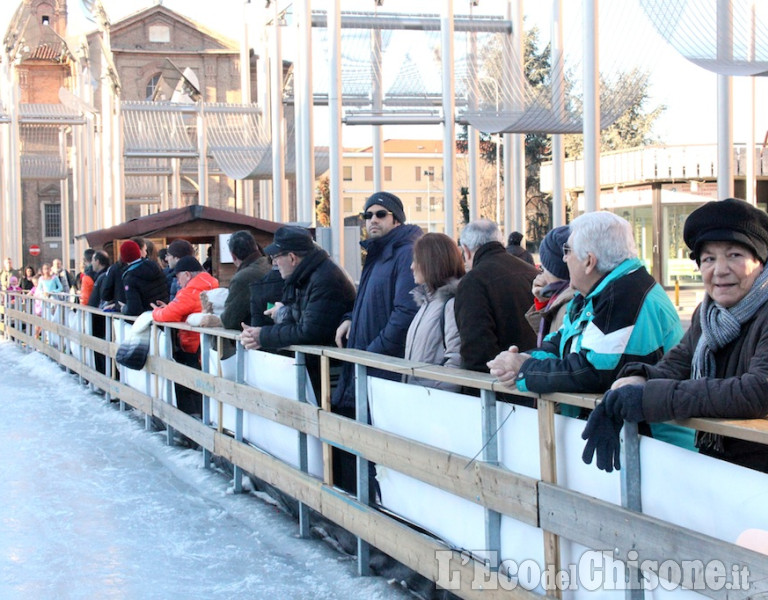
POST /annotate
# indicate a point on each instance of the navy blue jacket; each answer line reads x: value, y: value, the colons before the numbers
x: 384, y: 307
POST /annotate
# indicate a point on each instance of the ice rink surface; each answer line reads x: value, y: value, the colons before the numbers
x: 93, y: 506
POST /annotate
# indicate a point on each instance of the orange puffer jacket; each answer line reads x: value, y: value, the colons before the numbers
x: 186, y: 302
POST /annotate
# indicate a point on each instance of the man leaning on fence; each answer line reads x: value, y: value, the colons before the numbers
x: 618, y: 315
x: 316, y: 296
x: 192, y: 280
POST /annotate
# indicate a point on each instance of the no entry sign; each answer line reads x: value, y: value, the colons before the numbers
x: 34, y: 249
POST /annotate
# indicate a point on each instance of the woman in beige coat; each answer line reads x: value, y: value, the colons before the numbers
x: 433, y: 336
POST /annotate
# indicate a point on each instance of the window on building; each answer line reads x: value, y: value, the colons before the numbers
x: 418, y: 173
x: 369, y: 173
x: 51, y: 220
x: 419, y: 206
x: 346, y: 173
x: 160, y: 34
x: 348, y: 204
x: 387, y: 173
x: 429, y: 172
x: 152, y: 85
x: 46, y: 20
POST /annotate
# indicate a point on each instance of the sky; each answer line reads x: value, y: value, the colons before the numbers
x: 688, y: 91
x: 94, y: 506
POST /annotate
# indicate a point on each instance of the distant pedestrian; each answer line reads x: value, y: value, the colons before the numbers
x: 515, y: 248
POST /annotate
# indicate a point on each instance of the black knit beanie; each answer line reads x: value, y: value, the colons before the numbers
x: 389, y: 201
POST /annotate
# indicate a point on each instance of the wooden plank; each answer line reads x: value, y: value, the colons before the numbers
x: 493, y: 487
x: 753, y: 430
x: 411, y: 548
x: 604, y: 526
x: 325, y: 404
x: 548, y: 462
x: 192, y: 428
x: 582, y: 400
x: 280, y: 409
x: 462, y: 377
x: 370, y: 359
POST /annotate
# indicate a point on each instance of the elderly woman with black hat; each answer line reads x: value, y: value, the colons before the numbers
x: 551, y: 288
x: 720, y: 367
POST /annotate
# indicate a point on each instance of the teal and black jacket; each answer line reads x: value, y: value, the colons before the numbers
x: 627, y: 317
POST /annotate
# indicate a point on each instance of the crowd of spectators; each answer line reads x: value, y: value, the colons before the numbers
x: 588, y: 319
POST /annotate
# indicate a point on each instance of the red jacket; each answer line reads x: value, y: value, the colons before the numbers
x: 186, y: 302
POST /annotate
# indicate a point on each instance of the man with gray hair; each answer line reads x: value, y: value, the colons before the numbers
x: 492, y: 298
x: 619, y: 314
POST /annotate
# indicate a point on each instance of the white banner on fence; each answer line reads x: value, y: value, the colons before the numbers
x: 277, y: 375
x: 691, y: 490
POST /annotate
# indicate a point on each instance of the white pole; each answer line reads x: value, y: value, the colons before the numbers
x: 518, y: 139
x: 724, y: 103
x: 473, y: 136
x: 558, y: 104
x: 306, y: 197
x: 591, y: 108
x: 336, y: 148
x: 278, y: 139
x: 378, y: 103
x: 751, y: 183
x: 449, y: 125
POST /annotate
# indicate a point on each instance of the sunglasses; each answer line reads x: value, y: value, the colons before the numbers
x: 379, y: 214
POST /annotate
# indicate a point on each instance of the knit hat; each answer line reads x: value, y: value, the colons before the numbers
x: 389, y: 201
x: 514, y: 238
x: 728, y: 220
x: 187, y: 263
x: 290, y: 238
x: 551, y: 252
x: 129, y: 251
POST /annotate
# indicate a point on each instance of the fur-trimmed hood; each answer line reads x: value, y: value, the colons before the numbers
x: 442, y: 294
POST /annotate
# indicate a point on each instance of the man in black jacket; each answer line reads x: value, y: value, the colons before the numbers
x: 143, y: 281
x: 316, y: 296
x: 492, y: 298
x: 252, y: 266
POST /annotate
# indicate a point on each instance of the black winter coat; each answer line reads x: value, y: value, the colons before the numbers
x: 268, y: 290
x: 384, y: 307
x: 144, y: 283
x: 112, y: 289
x: 490, y: 306
x: 95, y: 298
x: 237, y: 307
x: 317, y: 295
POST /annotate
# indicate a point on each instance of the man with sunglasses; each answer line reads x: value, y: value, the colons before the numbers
x: 384, y: 307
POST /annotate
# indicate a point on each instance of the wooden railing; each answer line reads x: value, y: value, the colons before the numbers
x: 560, y: 513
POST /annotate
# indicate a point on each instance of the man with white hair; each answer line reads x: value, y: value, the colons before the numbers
x: 618, y: 315
x: 492, y: 298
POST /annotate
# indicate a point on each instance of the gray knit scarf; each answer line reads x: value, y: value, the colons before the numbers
x: 719, y: 327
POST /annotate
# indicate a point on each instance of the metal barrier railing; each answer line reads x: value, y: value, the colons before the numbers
x: 63, y: 332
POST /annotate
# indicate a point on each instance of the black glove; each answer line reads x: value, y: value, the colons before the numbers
x: 602, y: 435
x: 625, y: 403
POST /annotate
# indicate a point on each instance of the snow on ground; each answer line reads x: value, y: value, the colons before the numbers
x: 93, y: 506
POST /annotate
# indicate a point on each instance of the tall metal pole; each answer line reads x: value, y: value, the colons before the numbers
x: 751, y: 195
x: 378, y: 103
x: 509, y: 104
x: 202, y: 152
x: 66, y: 231
x: 449, y: 125
x: 558, y: 104
x: 13, y: 203
x: 336, y: 148
x: 517, y: 145
x: 473, y: 136
x: 591, y: 108
x: 724, y: 102
x: 278, y: 137
x: 306, y: 188
x: 246, y: 187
